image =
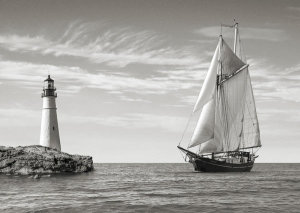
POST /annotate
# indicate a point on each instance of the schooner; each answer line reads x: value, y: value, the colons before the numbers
x: 227, y: 131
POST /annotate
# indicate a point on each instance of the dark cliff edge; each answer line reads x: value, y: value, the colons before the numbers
x: 35, y: 159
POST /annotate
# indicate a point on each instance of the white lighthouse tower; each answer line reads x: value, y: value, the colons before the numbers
x: 49, y: 128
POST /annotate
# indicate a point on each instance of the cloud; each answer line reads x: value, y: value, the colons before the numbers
x: 266, y: 34
x: 73, y: 79
x: 133, y: 121
x: 180, y: 67
x: 19, y: 117
x: 128, y: 99
x: 296, y: 9
x: 114, y: 47
x: 271, y: 82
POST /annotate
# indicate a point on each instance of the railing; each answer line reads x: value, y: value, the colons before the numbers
x: 53, y: 88
x: 48, y: 93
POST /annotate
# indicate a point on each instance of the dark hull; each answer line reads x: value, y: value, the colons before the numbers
x: 210, y: 165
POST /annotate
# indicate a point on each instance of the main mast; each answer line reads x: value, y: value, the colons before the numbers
x: 235, y: 36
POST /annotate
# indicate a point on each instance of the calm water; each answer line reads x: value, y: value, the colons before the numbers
x: 156, y: 188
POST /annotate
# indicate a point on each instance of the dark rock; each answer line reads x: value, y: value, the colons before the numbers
x: 37, y: 159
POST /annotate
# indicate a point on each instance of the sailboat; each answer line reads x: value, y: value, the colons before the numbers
x: 227, y: 133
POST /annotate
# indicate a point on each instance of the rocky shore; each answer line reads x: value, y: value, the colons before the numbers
x: 30, y: 160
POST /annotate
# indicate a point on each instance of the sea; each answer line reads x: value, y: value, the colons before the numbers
x: 155, y: 188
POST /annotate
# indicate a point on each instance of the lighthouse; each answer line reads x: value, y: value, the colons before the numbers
x: 49, y: 127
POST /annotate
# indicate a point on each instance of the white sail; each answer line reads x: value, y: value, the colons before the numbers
x: 230, y: 62
x: 251, y: 131
x: 209, y: 146
x: 228, y: 120
x: 232, y: 106
x: 209, y: 84
x: 236, y: 105
x: 204, y: 130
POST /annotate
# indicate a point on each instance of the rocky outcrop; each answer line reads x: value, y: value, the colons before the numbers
x: 37, y: 159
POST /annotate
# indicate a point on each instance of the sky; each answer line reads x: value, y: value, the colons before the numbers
x: 128, y: 72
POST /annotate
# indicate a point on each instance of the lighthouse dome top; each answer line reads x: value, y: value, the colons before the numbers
x: 49, y: 79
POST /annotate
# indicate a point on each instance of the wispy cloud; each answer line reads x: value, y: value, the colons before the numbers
x: 114, y: 47
x: 73, y: 79
x: 293, y: 8
x: 271, y: 82
x: 19, y: 117
x: 266, y: 34
x: 133, y: 121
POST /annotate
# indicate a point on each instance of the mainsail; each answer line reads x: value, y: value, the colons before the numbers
x: 228, y: 120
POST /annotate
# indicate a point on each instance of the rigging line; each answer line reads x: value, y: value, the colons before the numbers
x: 221, y: 29
x: 230, y: 114
x: 186, y: 126
x: 184, y: 157
x: 240, y: 47
x: 242, y: 50
x: 223, y: 117
x: 252, y: 122
x: 257, y: 149
x: 252, y: 96
x: 234, y: 125
x: 248, y: 106
x: 225, y: 120
x: 243, y: 113
x: 227, y: 25
x: 219, y: 113
x: 221, y: 95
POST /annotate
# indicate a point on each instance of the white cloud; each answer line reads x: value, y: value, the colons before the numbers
x: 128, y: 99
x: 246, y: 33
x: 115, y: 47
x: 271, y: 82
x: 25, y: 117
x: 296, y: 9
x: 72, y: 79
x: 19, y: 117
x: 133, y: 121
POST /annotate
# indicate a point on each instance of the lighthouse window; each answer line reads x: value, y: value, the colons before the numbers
x: 53, y: 128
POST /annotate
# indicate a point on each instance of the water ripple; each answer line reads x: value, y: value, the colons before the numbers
x: 155, y: 188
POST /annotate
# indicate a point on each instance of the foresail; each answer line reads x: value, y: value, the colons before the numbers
x: 209, y: 146
x: 204, y: 130
x: 209, y: 84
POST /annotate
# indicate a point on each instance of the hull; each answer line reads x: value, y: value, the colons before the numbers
x: 203, y: 164
x: 210, y: 165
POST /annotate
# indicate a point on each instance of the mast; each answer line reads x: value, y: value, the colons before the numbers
x: 235, y: 36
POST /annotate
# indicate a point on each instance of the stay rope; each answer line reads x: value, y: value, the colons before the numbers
x: 185, y: 129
